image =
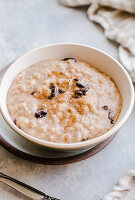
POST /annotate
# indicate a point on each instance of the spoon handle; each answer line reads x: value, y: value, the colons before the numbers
x: 24, y: 188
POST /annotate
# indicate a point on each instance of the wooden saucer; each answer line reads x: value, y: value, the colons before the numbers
x: 54, y: 161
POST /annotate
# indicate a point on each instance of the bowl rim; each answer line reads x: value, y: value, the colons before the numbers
x: 84, y: 144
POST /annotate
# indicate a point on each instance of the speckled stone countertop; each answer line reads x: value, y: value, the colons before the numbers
x: 29, y: 24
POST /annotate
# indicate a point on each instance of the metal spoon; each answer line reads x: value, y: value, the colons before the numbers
x: 24, y: 188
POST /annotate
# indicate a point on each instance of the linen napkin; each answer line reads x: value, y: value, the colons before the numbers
x: 124, y: 189
x: 117, y: 17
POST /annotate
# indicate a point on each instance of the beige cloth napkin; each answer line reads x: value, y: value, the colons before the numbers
x: 117, y: 17
x: 124, y: 189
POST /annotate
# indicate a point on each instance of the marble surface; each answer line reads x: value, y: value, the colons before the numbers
x: 29, y: 24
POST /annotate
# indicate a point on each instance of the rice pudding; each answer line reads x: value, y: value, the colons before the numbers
x: 63, y: 101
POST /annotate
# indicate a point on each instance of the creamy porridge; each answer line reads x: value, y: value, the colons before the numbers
x: 63, y: 101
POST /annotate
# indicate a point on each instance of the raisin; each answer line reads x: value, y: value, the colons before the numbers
x: 112, y: 121
x: 78, y: 92
x: 81, y: 92
x: 33, y: 93
x: 76, y: 79
x: 54, y: 91
x: 105, y: 107
x: 15, y: 121
x: 61, y: 91
x: 73, y: 59
x: 81, y: 85
x: 84, y: 88
x: 51, y: 96
x: 40, y: 113
x: 84, y: 139
x: 111, y: 117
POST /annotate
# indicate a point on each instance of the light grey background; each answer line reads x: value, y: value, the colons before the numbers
x: 28, y: 24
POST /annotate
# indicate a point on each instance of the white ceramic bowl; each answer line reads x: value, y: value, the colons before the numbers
x: 91, y: 55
